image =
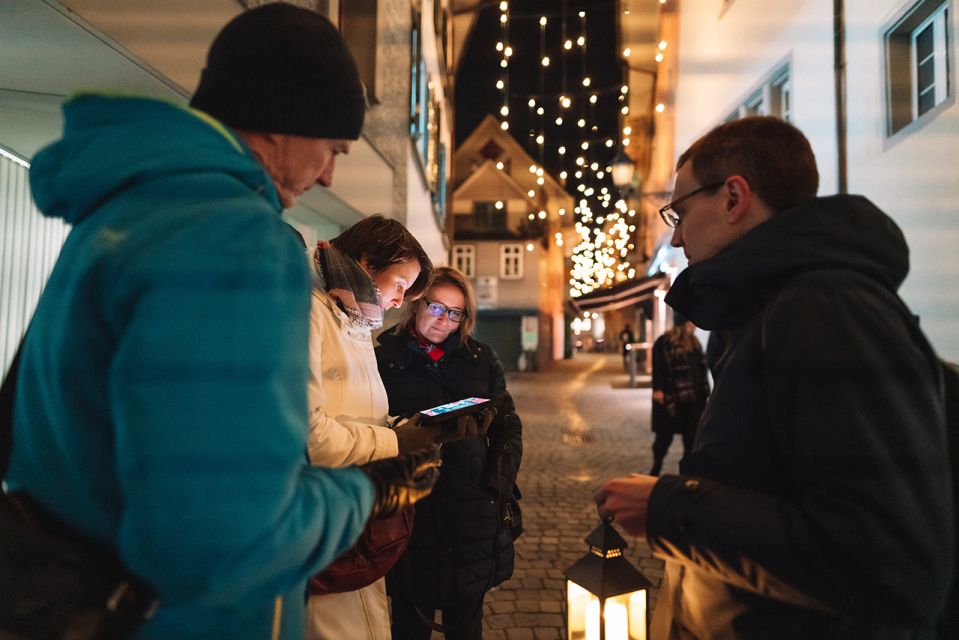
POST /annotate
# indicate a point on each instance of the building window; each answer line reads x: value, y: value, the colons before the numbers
x: 771, y: 98
x: 511, y: 261
x: 358, y: 25
x: 489, y: 215
x: 464, y: 259
x: 425, y: 120
x: 918, y: 63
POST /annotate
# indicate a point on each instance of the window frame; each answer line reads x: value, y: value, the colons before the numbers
x: 463, y: 257
x: 358, y: 22
x: 508, y: 251
x: 759, y: 100
x: 900, y: 69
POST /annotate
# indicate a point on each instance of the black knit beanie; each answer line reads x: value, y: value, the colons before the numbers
x: 283, y: 69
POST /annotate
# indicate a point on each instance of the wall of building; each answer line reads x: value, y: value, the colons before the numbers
x: 915, y: 179
x: 29, y: 246
x: 725, y: 55
x: 511, y: 294
x: 49, y: 50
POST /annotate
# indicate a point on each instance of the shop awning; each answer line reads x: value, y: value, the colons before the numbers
x: 619, y: 296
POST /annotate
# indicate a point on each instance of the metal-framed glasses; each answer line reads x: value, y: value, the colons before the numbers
x: 671, y: 217
x: 436, y: 310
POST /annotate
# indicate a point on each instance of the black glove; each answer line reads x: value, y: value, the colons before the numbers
x: 403, y: 480
x: 467, y: 426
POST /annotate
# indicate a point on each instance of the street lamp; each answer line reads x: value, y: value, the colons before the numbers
x: 605, y: 594
x: 623, y: 170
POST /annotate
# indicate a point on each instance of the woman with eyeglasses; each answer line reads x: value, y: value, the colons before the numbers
x: 462, y: 543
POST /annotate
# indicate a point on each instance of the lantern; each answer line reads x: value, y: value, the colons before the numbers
x: 623, y: 170
x: 605, y: 594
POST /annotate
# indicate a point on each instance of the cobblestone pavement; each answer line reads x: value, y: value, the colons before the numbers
x: 582, y: 424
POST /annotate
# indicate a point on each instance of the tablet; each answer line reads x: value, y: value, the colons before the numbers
x: 444, y: 412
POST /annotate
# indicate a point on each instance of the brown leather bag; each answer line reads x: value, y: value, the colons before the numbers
x: 379, y: 547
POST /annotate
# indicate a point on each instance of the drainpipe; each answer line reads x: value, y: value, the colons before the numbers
x: 839, y: 68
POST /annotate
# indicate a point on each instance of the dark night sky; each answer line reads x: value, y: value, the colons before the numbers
x: 477, y: 95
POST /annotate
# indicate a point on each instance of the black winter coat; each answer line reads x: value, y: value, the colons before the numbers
x: 817, y: 500
x: 462, y: 543
x: 681, y: 375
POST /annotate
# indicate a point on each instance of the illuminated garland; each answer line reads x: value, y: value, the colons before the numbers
x: 605, y: 225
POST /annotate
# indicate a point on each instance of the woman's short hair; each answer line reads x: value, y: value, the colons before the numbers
x: 772, y: 155
x: 455, y: 277
x: 383, y: 242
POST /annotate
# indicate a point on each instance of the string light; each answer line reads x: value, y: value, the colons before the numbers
x: 601, y: 251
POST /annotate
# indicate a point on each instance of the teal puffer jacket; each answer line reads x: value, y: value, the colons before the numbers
x: 161, y: 404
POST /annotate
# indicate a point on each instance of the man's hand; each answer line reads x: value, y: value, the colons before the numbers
x: 659, y: 397
x: 403, y: 480
x: 625, y: 501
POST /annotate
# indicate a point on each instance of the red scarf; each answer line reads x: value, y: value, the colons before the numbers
x: 434, y: 351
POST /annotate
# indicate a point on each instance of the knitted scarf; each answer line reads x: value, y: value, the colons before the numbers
x: 350, y: 286
x: 434, y: 351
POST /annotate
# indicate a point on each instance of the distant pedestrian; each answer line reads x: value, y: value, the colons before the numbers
x: 680, y: 388
x: 626, y: 338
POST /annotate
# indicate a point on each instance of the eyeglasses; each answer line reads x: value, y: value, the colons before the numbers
x: 436, y: 310
x: 669, y: 214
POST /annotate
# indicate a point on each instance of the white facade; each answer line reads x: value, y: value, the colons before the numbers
x: 730, y: 49
x: 50, y: 49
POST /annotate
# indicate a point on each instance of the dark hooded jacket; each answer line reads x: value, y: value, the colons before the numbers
x: 817, y: 501
x: 462, y: 543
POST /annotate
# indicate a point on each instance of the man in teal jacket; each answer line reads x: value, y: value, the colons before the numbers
x: 161, y: 403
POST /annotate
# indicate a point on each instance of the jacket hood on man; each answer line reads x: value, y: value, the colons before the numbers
x: 846, y: 232
x: 112, y: 142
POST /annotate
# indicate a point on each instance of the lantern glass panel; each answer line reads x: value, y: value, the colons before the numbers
x: 578, y: 601
x: 624, y: 615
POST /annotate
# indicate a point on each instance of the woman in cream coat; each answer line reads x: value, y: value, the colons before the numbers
x: 369, y: 268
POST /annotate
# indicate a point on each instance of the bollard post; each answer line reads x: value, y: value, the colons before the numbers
x: 631, y: 360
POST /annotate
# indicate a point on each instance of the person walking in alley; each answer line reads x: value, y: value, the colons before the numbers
x: 162, y: 399
x: 680, y: 388
x: 817, y: 501
x: 625, y: 339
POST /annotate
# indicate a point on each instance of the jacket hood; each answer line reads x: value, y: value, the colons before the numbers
x: 113, y: 142
x: 838, y: 232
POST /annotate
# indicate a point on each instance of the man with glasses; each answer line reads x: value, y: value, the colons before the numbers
x: 817, y: 500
